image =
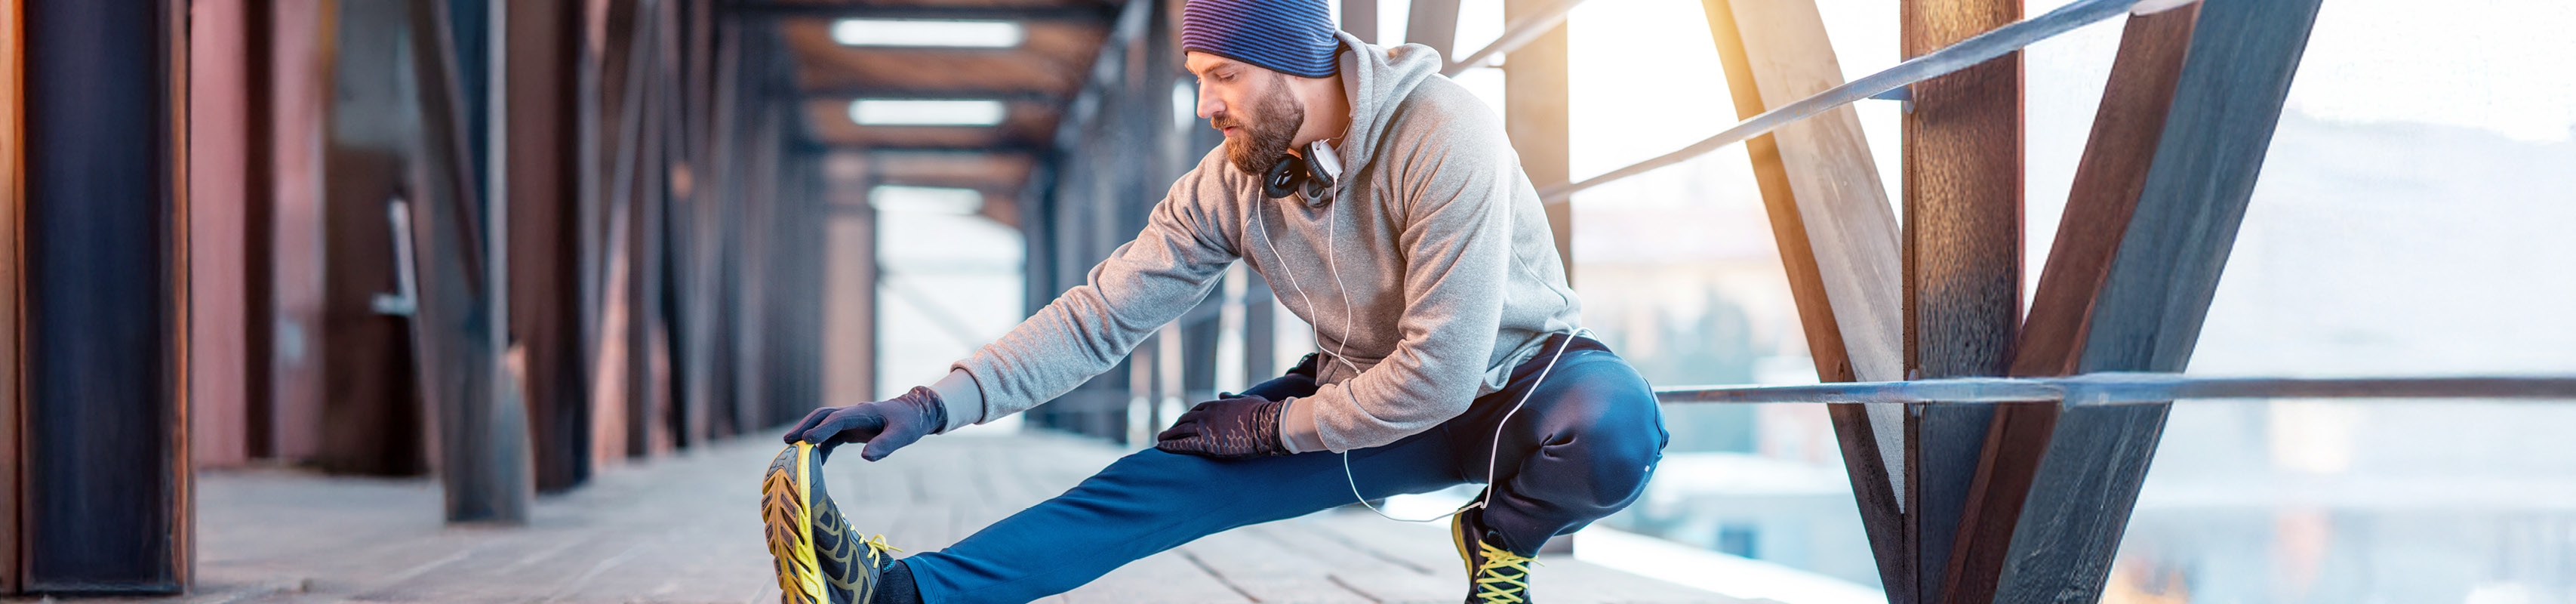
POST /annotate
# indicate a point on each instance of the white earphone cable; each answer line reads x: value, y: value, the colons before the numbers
x: 1332, y: 266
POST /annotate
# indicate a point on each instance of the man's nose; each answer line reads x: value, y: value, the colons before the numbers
x: 1208, y: 104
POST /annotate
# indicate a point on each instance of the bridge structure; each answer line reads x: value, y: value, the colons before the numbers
x: 520, y: 245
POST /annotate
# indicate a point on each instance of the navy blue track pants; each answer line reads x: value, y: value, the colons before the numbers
x: 1581, y: 449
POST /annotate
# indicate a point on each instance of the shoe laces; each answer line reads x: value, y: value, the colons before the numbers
x: 877, y: 550
x: 1504, y: 577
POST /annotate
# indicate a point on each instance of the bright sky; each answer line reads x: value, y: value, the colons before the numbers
x: 1647, y: 81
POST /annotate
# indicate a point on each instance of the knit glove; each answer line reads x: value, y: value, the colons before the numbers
x: 1233, y: 428
x: 884, y: 425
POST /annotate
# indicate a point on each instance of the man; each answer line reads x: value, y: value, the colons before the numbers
x: 1386, y: 206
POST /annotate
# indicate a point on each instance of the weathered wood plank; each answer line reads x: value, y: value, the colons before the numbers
x: 1265, y: 571
x: 2235, y: 77
x: 1838, y: 242
x: 2113, y: 170
x: 1361, y: 571
x: 684, y: 529
x: 1537, y: 114
x: 1963, y: 204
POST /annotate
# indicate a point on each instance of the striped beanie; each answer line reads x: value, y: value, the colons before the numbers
x: 1294, y: 37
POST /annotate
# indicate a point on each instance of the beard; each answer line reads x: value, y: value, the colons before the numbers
x: 1267, y: 129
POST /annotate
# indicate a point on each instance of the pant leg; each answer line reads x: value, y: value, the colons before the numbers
x: 1579, y: 450
x: 1152, y: 501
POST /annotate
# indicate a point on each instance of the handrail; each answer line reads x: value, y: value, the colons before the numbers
x: 1516, y: 34
x: 1967, y: 53
x: 2123, y: 388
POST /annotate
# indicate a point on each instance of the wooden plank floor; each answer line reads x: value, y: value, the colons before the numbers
x: 687, y: 529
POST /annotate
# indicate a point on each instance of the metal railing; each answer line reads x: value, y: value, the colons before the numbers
x: 2122, y: 388
x: 1967, y: 53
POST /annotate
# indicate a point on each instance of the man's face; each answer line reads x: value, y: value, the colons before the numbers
x: 1251, y: 105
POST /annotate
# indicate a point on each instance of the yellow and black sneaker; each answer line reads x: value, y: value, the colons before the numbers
x: 819, y: 560
x: 1494, y: 575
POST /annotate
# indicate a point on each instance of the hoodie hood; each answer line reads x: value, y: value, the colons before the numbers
x: 1375, y: 79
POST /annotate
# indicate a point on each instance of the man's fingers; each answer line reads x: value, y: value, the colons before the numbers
x: 878, y: 449
x: 811, y: 419
x: 885, y: 444
x: 866, y: 422
x: 1182, y: 428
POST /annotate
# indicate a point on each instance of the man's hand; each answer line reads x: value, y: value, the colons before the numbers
x: 884, y: 425
x: 1228, y: 429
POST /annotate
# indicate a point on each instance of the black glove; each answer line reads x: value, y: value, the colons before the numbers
x: 884, y: 425
x: 1228, y: 429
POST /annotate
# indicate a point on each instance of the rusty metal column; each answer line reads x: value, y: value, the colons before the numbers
x: 103, y: 465
x: 1963, y: 204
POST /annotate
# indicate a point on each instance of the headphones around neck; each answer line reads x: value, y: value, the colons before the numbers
x: 1293, y: 174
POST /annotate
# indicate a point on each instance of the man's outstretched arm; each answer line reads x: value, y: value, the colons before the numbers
x: 1144, y: 284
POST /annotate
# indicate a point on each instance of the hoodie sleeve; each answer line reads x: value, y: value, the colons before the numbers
x: 1455, y: 195
x: 1148, y: 282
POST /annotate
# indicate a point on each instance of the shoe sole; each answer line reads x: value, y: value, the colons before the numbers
x: 788, y: 522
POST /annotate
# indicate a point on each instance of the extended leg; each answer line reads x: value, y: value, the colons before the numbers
x: 1152, y: 501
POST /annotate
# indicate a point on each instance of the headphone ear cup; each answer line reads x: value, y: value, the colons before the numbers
x: 1282, y: 178
x: 1318, y: 182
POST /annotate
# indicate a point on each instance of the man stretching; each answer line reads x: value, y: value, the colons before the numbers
x: 1386, y: 206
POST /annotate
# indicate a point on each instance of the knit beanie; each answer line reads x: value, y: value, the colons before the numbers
x: 1294, y: 37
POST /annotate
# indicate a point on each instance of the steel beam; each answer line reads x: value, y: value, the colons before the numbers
x: 545, y: 307
x: 104, y: 482
x: 461, y: 318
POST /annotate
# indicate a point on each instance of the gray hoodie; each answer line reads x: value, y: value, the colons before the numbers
x: 1428, y: 270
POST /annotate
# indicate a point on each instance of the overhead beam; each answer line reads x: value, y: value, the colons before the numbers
x: 1004, y: 149
x: 1083, y: 14
x: 871, y: 92
x: 2147, y: 316
x: 1838, y: 242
